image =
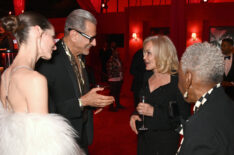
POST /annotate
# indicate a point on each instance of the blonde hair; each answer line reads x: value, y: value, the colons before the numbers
x: 165, y: 54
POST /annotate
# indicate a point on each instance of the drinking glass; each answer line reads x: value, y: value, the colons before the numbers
x: 143, y: 128
x: 105, y: 91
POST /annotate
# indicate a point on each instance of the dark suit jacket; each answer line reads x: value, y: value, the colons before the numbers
x: 230, y: 78
x: 64, y: 93
x: 210, y: 131
x: 137, y: 69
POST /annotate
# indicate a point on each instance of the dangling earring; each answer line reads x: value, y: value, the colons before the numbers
x: 186, y: 94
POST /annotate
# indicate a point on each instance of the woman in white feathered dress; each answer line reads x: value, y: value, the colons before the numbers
x: 26, y: 128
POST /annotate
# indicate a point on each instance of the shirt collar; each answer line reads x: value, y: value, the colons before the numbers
x: 204, y: 97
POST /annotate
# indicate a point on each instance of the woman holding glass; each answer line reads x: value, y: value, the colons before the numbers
x: 26, y: 128
x: 163, y: 102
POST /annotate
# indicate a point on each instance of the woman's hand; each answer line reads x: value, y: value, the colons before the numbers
x: 145, y: 109
x: 133, y: 119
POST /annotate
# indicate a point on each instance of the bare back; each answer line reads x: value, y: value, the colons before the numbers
x: 24, y: 90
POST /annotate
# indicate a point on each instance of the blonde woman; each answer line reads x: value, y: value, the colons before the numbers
x: 161, y: 95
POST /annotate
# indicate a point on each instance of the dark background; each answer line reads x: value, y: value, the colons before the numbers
x: 48, y: 8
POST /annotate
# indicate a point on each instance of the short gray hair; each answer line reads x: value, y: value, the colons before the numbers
x: 205, y: 60
x: 77, y: 18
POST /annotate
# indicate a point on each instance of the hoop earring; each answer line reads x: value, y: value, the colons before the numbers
x: 185, y: 95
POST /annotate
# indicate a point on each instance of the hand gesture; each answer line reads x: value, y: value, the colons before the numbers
x: 93, y: 99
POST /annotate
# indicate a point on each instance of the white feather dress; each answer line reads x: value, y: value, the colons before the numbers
x: 36, y: 134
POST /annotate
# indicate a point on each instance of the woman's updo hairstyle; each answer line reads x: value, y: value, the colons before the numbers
x: 19, y: 25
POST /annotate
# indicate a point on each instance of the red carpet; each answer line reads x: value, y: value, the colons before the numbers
x: 112, y: 133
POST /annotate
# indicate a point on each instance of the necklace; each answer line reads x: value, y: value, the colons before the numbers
x: 77, y: 65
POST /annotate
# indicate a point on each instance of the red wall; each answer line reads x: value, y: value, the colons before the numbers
x: 198, y: 19
x: 204, y: 16
x: 58, y: 23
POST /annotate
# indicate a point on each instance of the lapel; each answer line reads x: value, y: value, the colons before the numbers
x: 69, y: 69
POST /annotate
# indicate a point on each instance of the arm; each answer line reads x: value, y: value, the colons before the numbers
x: 37, y: 94
x: 159, y: 109
x: 145, y: 109
x: 2, y: 90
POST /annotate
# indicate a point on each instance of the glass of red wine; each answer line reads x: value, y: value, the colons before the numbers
x: 105, y: 91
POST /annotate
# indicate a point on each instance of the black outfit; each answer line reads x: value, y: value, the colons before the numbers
x: 230, y: 78
x: 115, y: 89
x: 137, y: 69
x: 161, y: 137
x: 104, y: 54
x: 115, y: 79
x: 210, y: 131
x: 64, y: 93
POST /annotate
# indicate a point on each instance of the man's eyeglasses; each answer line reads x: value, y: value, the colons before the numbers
x: 84, y: 35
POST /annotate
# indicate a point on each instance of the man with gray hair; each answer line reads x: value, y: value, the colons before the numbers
x: 69, y: 92
x: 210, y: 130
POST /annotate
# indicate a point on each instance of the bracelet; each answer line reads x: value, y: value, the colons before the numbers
x: 80, y: 103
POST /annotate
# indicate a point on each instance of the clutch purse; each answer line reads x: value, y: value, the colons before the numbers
x: 173, y: 109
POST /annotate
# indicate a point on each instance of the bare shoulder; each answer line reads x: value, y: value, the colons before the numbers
x: 30, y: 78
x: 35, y: 78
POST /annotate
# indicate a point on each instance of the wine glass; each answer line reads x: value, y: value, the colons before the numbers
x: 105, y: 91
x: 143, y: 128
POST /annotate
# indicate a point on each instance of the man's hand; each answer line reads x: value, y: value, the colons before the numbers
x: 93, y: 99
x: 145, y: 109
